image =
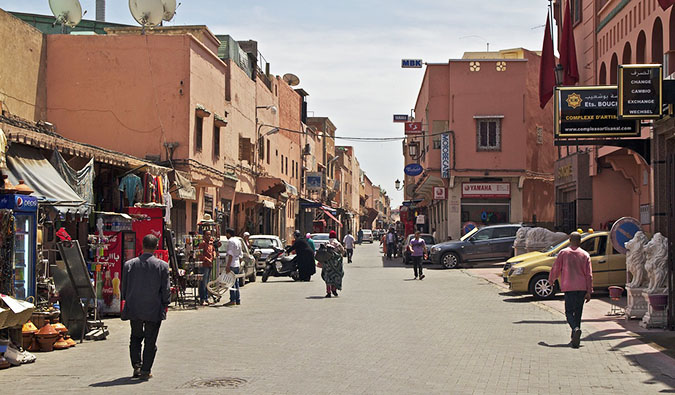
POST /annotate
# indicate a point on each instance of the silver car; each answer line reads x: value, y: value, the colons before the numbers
x: 367, y: 235
x: 266, y: 244
x: 319, y: 239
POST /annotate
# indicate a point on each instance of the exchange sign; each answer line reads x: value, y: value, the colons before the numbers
x: 591, y: 111
x: 640, y: 93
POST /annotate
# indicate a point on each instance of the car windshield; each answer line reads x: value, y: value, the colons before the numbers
x: 367, y: 232
x: 553, y: 248
x: 262, y: 243
x: 322, y: 236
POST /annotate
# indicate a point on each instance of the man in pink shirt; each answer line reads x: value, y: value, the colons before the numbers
x: 573, y: 268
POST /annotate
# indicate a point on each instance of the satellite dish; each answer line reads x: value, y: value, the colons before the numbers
x: 291, y: 79
x: 169, y: 9
x: 147, y: 12
x: 67, y: 12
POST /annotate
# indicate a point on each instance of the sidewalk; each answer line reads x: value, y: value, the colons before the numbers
x: 650, y: 348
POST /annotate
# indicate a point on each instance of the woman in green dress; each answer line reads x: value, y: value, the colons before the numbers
x: 332, y: 271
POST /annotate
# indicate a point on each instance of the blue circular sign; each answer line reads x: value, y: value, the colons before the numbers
x: 413, y: 169
x: 622, y: 231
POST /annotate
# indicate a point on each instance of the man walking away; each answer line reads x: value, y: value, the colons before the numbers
x: 359, y: 236
x: 391, y: 242
x: 234, y: 254
x: 145, y: 298
x: 573, y: 267
x: 418, y: 250
x: 348, y: 242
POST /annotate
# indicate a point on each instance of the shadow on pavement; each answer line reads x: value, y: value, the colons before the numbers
x: 316, y: 297
x: 561, y: 345
x: 116, y: 382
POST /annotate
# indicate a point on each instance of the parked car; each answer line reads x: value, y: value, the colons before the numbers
x: 266, y: 245
x: 531, y: 274
x: 485, y: 244
x: 319, y: 239
x: 247, y: 261
x: 367, y: 235
x: 428, y: 239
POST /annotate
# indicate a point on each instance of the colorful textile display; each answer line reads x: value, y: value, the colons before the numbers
x: 131, y: 184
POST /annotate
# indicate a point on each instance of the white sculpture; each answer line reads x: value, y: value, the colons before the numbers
x: 656, y: 252
x: 636, y: 259
x: 541, y: 238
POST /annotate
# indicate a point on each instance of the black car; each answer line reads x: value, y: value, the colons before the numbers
x: 484, y: 244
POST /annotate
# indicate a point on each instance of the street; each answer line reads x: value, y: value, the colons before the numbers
x: 453, y: 332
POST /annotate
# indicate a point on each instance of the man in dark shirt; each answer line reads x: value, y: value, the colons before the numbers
x: 145, y: 298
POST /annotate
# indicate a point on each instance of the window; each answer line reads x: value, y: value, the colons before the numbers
x: 245, y: 149
x: 589, y: 246
x: 293, y: 169
x: 216, y: 142
x: 509, y: 231
x: 269, y: 149
x: 287, y: 165
x: 437, y: 143
x: 575, y: 10
x: 199, y: 131
x: 485, y: 234
x: 488, y: 134
x: 282, y: 163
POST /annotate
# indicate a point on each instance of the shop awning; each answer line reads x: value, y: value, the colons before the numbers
x: 426, y: 188
x: 331, y: 216
x: 306, y: 203
x: 275, y: 186
x: 183, y: 186
x: 28, y: 164
x: 242, y: 197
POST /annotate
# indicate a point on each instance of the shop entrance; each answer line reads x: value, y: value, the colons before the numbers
x: 486, y: 213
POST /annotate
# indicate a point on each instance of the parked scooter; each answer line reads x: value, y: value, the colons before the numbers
x: 278, y: 264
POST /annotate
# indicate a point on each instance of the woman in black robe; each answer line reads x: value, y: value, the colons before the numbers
x: 305, y: 256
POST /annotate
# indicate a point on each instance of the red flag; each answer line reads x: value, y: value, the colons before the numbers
x: 546, y: 68
x: 568, y: 51
x: 666, y: 3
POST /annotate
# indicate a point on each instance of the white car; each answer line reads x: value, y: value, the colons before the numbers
x: 319, y: 239
x: 367, y: 235
x: 266, y: 244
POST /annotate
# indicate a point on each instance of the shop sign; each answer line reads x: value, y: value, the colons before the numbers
x: 208, y: 203
x: 445, y: 155
x: 640, y: 93
x: 486, y: 190
x: 401, y: 118
x: 413, y: 128
x: 420, y: 219
x: 413, y: 169
x: 440, y: 193
x: 411, y: 63
x: 591, y: 111
x: 314, y: 180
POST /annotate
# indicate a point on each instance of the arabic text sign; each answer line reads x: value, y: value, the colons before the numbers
x: 486, y: 190
x: 640, y: 91
x: 591, y: 111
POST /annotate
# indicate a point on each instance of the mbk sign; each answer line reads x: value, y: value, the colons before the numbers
x: 413, y: 128
x: 411, y: 63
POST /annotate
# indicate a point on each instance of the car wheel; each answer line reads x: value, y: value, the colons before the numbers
x: 541, y: 288
x: 450, y: 260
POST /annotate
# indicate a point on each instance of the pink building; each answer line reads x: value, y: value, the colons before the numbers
x: 483, y: 111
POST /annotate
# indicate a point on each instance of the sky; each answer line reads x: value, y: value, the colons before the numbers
x: 348, y: 53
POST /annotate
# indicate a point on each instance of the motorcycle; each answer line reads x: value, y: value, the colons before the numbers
x: 278, y: 264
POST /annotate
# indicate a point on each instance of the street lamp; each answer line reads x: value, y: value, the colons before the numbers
x: 271, y: 107
x: 559, y: 74
x: 397, y: 185
x: 413, y: 149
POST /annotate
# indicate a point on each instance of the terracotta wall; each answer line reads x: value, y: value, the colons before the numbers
x: 23, y: 55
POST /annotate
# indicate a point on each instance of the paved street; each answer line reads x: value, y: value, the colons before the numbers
x: 453, y: 332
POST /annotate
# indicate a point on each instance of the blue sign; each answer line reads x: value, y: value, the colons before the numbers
x: 401, y: 118
x: 623, y: 230
x: 411, y: 63
x: 413, y: 169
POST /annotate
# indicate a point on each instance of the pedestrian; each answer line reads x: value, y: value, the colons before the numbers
x: 349, y: 245
x: 246, y: 239
x: 308, y: 236
x: 434, y: 234
x: 359, y: 236
x: 233, y: 264
x: 145, y: 296
x: 418, y: 251
x: 391, y: 242
x: 206, y: 256
x: 572, y: 269
x: 305, y: 256
x: 332, y: 270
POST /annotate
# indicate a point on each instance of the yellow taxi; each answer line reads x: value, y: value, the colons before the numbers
x: 528, y: 273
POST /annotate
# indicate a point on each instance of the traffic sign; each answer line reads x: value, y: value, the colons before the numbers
x: 411, y: 63
x: 623, y: 230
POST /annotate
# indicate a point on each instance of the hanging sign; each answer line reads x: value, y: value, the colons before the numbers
x: 445, y: 155
x: 314, y: 181
x: 412, y: 128
x: 401, y: 118
x: 411, y: 63
x: 640, y: 93
x: 413, y: 169
x: 591, y: 111
x: 440, y: 193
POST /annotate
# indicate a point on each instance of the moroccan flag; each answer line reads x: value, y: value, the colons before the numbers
x: 568, y: 51
x: 666, y: 3
x: 546, y: 68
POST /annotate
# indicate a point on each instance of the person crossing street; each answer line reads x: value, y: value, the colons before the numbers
x: 349, y: 242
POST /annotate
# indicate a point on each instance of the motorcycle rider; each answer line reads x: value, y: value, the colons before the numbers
x: 305, y: 256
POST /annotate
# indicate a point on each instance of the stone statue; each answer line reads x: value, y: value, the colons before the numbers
x: 635, y: 260
x: 538, y: 239
x: 656, y: 252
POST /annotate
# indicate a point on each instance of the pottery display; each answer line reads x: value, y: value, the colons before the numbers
x: 23, y: 189
x: 59, y: 327
x: 46, y: 337
x: 70, y: 341
x: 61, y: 344
x: 7, y: 187
x: 28, y: 334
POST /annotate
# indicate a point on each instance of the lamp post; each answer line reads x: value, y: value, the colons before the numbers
x: 413, y: 149
x: 397, y: 185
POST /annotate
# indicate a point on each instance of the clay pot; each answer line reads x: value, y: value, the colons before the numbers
x: 59, y: 327
x: 8, y: 187
x: 23, y: 189
x: 34, y: 345
x: 70, y: 341
x: 61, y: 344
x: 46, y: 337
x: 28, y: 334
